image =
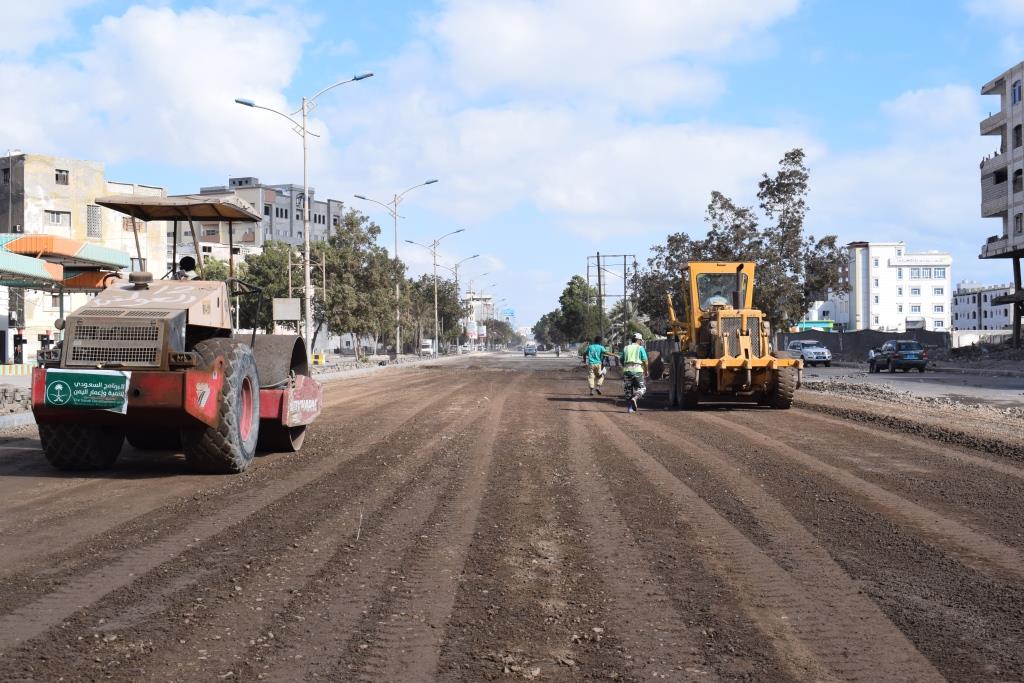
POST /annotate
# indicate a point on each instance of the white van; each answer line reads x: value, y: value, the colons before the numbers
x: 427, y: 347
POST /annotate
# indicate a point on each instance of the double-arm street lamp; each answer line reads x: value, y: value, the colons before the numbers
x: 458, y: 292
x: 432, y: 248
x: 308, y: 103
x: 392, y: 208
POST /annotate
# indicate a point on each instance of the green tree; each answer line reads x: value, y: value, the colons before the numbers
x: 500, y: 332
x: 580, y: 317
x: 793, y: 268
x: 548, y: 330
x: 269, y: 271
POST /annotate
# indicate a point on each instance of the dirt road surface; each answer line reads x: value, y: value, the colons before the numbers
x: 487, y: 520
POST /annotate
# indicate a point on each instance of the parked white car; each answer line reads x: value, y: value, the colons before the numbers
x: 811, y: 352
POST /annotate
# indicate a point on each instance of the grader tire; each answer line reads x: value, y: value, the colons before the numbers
x: 781, y: 395
x: 154, y: 439
x: 674, y: 365
x: 229, y: 447
x: 76, y: 447
x: 687, y: 388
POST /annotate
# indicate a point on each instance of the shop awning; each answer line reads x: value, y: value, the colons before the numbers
x: 182, y: 207
x: 51, y: 263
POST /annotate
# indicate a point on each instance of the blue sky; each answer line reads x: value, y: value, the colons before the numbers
x: 557, y: 128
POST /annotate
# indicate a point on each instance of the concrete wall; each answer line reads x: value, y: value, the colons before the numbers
x: 854, y: 346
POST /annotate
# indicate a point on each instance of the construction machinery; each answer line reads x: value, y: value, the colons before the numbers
x: 721, y: 348
x: 158, y: 363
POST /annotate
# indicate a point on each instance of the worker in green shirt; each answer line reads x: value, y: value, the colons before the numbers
x: 595, y: 353
x: 634, y: 369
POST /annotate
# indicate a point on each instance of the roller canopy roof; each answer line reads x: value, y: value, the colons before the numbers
x: 182, y: 207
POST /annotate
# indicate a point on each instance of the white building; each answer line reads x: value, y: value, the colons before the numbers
x: 891, y: 289
x: 1002, y: 180
x: 973, y: 307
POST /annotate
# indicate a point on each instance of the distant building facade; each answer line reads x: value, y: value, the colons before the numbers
x: 1002, y: 181
x: 51, y: 195
x: 890, y: 289
x: 974, y: 307
x: 280, y: 207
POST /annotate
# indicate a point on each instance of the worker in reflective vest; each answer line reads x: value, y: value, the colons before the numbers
x: 634, y: 370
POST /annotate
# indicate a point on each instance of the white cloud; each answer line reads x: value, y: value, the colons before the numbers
x: 27, y: 25
x: 629, y: 53
x: 158, y: 85
x: 922, y: 185
x: 1004, y: 11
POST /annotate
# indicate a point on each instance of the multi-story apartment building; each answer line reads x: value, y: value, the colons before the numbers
x: 890, y: 289
x: 1002, y: 181
x: 281, y: 208
x: 42, y: 194
x: 974, y: 307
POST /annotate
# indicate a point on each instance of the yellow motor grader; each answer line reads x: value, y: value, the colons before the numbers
x: 721, y: 347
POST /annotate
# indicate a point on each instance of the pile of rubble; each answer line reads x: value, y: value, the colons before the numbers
x: 885, y: 393
x: 14, y: 399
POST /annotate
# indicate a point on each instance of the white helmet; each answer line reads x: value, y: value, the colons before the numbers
x: 638, y: 337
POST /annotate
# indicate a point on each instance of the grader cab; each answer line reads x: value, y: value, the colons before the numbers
x: 722, y: 344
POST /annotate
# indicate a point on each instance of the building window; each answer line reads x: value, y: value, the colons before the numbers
x: 875, y: 282
x: 1018, y: 180
x: 1018, y: 136
x: 58, y: 218
x: 334, y: 220
x: 914, y: 308
x: 1015, y: 92
x: 899, y: 291
x: 1018, y: 223
x: 974, y: 314
x: 915, y: 291
x: 984, y: 298
x: 93, y: 226
x: 938, y: 308
x: 899, y: 273
x: 938, y: 291
x: 939, y: 272
x: 939, y: 324
x: 7, y: 176
x: 876, y: 319
x: 874, y: 262
x: 926, y: 273
x: 55, y: 301
x: 128, y: 225
x: 210, y: 232
x: 825, y: 315
x: 915, y: 273
x: 60, y: 176
x: 875, y: 298
x: 899, y: 308
x: 266, y: 209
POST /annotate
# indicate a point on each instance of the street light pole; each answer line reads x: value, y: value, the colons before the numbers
x: 433, y: 252
x: 307, y: 106
x: 392, y: 208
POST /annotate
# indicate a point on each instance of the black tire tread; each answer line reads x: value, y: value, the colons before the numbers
x: 785, y: 386
x: 212, y: 450
x: 77, y: 448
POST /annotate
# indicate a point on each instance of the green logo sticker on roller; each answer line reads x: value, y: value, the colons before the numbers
x: 102, y: 389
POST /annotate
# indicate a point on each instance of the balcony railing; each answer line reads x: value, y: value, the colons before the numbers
x: 993, y: 122
x: 993, y: 161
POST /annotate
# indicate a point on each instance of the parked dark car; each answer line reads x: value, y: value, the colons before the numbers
x: 899, y: 354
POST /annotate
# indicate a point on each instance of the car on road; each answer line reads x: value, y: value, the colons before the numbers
x: 530, y: 350
x: 811, y: 352
x: 899, y: 354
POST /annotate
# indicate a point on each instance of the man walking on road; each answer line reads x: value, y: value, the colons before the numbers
x: 634, y: 369
x: 595, y: 353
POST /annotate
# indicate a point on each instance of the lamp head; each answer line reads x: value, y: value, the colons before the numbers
x: 359, y: 196
x: 431, y: 181
x: 360, y: 77
x: 244, y: 101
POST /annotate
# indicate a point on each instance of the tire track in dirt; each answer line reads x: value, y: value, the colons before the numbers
x: 968, y: 623
x: 106, y: 539
x: 713, y: 474
x: 32, y: 619
x: 658, y: 638
x: 984, y: 495
x: 402, y: 633
x: 809, y: 626
x: 397, y: 496
x: 972, y: 547
x: 529, y: 604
